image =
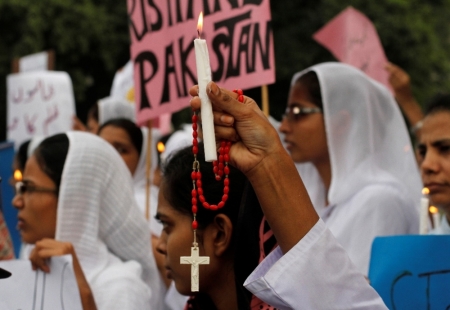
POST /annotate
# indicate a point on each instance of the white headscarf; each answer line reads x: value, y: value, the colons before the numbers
x: 97, y: 213
x: 111, y: 108
x: 366, y: 134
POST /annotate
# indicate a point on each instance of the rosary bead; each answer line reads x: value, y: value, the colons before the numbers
x: 194, y: 175
x: 226, y: 190
x: 194, y: 209
x: 221, y: 204
x: 206, y: 205
x: 227, y: 149
x: 199, y: 183
x: 226, y: 169
x: 194, y: 225
x: 218, y: 178
x: 213, y: 207
x: 195, y: 142
x: 220, y: 158
x: 199, y: 175
x: 194, y: 193
x: 200, y: 191
x: 215, y: 169
x: 224, y: 197
x: 201, y: 198
x: 194, y: 126
x: 226, y: 157
x: 220, y: 166
x: 195, y: 149
x: 226, y: 182
x: 194, y: 134
x: 194, y: 118
x: 194, y: 201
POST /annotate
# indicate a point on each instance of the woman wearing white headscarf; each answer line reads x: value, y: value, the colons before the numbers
x: 76, y: 198
x: 359, y: 165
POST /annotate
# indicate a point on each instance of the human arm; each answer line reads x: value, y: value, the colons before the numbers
x: 401, y: 84
x: 259, y: 154
x: 47, y: 248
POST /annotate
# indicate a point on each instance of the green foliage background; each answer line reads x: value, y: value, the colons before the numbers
x: 90, y: 38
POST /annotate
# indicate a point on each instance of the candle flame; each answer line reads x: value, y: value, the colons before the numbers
x: 200, y: 25
x: 160, y: 147
x: 17, y: 175
x: 425, y: 191
x: 433, y: 209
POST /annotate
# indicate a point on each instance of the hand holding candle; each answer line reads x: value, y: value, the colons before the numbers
x: 204, y: 77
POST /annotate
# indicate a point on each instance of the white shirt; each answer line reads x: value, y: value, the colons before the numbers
x: 315, y: 274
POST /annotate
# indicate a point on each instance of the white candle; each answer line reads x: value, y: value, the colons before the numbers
x: 424, y: 202
x: 204, y: 77
x: 436, y: 216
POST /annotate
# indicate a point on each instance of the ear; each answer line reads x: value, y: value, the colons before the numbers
x: 219, y: 233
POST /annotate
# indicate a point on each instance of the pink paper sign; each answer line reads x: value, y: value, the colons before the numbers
x: 239, y: 38
x: 353, y: 39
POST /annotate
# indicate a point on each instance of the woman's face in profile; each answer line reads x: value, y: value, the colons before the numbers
x: 305, y: 135
x: 434, y: 157
x: 36, y: 202
x: 121, y: 141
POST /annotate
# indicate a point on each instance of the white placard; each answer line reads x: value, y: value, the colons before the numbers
x: 39, y: 103
x: 28, y: 289
x: 34, y: 62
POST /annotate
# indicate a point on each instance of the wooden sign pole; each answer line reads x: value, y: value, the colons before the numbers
x: 148, y: 170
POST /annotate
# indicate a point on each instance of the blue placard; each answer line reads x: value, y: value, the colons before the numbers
x: 412, y: 272
x: 10, y: 213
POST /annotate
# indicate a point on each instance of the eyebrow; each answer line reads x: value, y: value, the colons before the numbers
x: 436, y: 143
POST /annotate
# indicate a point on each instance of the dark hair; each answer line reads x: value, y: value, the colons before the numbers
x: 133, y: 131
x: 440, y: 102
x: 93, y: 112
x: 311, y: 82
x: 22, y: 155
x: 242, y: 207
x: 51, y: 155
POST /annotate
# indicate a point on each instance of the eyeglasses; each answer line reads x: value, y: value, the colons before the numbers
x: 294, y: 112
x: 22, y: 188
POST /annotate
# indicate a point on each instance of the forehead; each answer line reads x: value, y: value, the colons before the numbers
x: 436, y: 126
x: 299, y: 95
x: 115, y: 134
x: 34, y: 173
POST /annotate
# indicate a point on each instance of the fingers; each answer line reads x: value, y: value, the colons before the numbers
x: 220, y: 118
x: 47, y: 248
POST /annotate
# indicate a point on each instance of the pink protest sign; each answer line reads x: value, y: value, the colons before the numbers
x: 353, y: 39
x: 240, y: 44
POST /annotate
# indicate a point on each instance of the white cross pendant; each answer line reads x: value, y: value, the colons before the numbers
x: 194, y: 260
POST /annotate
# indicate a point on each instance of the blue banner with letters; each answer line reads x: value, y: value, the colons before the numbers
x: 412, y: 272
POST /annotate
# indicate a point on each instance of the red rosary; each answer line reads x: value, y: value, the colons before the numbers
x: 220, y: 169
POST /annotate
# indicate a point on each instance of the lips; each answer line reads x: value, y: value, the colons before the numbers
x: 435, y: 187
x: 20, y: 223
x: 168, y: 273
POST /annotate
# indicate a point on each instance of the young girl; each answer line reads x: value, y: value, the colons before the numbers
x: 308, y: 270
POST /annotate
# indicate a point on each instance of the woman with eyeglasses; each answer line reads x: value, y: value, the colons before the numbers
x: 76, y: 198
x: 357, y: 160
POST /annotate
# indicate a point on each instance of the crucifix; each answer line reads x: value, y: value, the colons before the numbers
x: 194, y: 260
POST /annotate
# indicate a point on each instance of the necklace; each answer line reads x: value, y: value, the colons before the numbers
x: 221, y: 170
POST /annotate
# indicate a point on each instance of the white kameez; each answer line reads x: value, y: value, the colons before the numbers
x: 97, y: 213
x: 375, y: 188
x: 315, y: 274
